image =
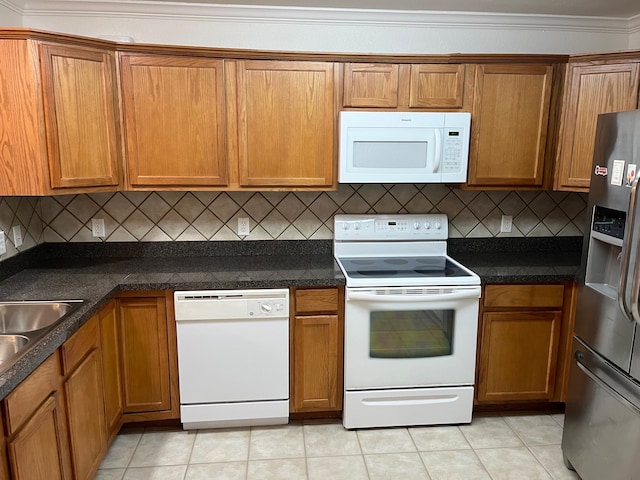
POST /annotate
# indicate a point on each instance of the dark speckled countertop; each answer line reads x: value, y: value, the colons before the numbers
x: 97, y: 272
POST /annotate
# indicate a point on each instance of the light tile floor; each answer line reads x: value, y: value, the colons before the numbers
x: 523, y: 447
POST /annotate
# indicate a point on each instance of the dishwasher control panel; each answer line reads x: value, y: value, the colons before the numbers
x: 267, y: 308
x: 208, y: 305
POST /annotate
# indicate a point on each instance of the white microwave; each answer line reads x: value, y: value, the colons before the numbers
x: 404, y: 147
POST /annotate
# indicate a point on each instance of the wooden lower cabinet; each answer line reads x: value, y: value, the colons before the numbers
x: 35, y: 422
x: 524, y: 334
x: 84, y: 394
x: 110, y: 351
x: 317, y: 332
x: 147, y: 334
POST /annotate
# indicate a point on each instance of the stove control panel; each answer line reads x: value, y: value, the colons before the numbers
x: 392, y: 227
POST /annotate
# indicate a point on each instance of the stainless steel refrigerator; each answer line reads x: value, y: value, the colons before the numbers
x: 601, y: 437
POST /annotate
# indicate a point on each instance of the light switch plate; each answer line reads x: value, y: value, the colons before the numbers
x: 3, y: 245
x: 16, y: 232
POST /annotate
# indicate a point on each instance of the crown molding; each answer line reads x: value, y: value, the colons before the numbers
x: 634, y: 24
x: 333, y: 16
x: 12, y: 6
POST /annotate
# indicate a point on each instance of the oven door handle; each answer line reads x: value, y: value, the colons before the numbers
x: 457, y: 295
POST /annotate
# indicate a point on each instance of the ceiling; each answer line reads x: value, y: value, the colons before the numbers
x: 580, y: 8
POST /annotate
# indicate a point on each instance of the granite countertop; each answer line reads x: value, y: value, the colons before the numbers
x: 97, y: 272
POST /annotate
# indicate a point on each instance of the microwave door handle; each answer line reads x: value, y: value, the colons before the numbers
x: 626, y: 258
x: 438, y: 150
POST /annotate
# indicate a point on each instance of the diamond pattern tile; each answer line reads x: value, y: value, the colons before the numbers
x: 201, y: 216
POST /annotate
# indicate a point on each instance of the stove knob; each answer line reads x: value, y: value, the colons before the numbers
x: 265, y: 308
x: 356, y: 226
x: 345, y: 226
x: 416, y: 226
x: 427, y: 225
x: 437, y: 225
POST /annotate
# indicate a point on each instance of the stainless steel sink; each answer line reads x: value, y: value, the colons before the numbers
x: 10, y: 345
x: 23, y: 324
x: 21, y: 317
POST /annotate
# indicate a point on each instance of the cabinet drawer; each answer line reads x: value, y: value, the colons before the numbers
x: 316, y: 300
x: 523, y: 295
x: 35, y: 389
x: 79, y: 345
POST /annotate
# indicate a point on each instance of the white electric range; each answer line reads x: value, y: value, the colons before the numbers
x: 411, y: 319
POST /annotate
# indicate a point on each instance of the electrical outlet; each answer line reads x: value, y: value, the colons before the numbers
x: 243, y: 226
x: 97, y: 227
x: 505, y: 225
x: 17, y: 236
x: 3, y: 245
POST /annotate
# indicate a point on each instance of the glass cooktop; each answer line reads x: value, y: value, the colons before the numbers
x: 401, y: 267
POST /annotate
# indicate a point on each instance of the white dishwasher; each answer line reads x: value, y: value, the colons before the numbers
x: 233, y: 357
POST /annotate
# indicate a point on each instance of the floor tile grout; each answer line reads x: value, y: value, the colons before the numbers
x: 366, y: 473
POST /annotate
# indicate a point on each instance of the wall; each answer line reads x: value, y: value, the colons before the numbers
x: 10, y: 15
x: 25, y: 212
x: 332, y: 30
x: 634, y: 37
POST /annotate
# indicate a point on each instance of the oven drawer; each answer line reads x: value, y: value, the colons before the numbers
x: 417, y: 406
x: 523, y: 295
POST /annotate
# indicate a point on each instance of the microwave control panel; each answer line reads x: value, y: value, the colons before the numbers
x: 452, y: 154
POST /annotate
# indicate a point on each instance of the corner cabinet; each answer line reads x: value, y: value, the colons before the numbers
x: 286, y: 123
x: 592, y: 88
x: 59, y: 117
x: 524, y: 343
x: 174, y: 120
x: 148, y: 351
x: 317, y: 336
x: 403, y: 86
x: 510, y: 116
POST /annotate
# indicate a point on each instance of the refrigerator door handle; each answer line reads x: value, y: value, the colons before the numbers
x: 602, y: 384
x: 624, y: 267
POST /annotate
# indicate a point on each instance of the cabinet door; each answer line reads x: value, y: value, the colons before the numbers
x: 86, y: 416
x: 80, y: 116
x: 286, y: 124
x: 509, y: 128
x: 589, y: 91
x: 436, y: 86
x: 370, y: 85
x: 37, y: 451
x: 317, y: 370
x: 518, y: 355
x: 174, y: 120
x: 110, y: 350
x: 145, y: 354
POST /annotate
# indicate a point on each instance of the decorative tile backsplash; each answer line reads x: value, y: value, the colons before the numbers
x: 185, y: 216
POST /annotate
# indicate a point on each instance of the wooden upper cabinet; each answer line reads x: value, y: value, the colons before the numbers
x: 80, y: 116
x: 436, y: 86
x: 509, y: 125
x: 59, y: 118
x: 174, y: 121
x: 393, y: 86
x: 370, y: 85
x: 591, y: 89
x: 286, y: 113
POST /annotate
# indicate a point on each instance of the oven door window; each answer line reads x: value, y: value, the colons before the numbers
x: 411, y: 333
